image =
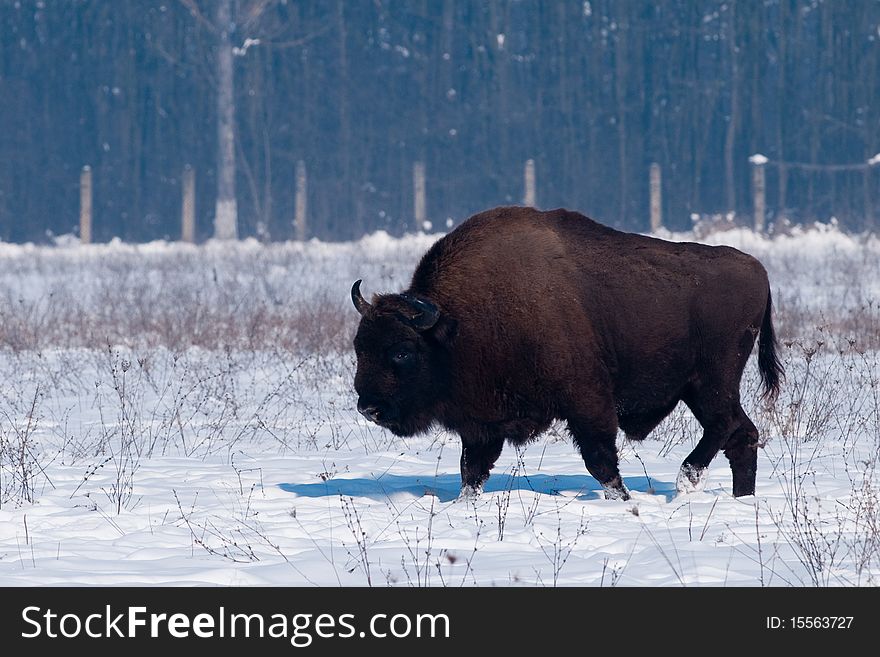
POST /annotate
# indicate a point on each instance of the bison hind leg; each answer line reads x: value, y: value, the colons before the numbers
x: 730, y: 430
x: 741, y: 451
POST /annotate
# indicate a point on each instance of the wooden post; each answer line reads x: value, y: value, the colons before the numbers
x: 529, y: 197
x: 188, y: 211
x: 85, y: 205
x: 299, y: 220
x: 759, y: 190
x: 419, y: 202
x: 656, y: 190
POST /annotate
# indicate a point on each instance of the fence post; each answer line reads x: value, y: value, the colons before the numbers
x: 85, y: 205
x: 299, y: 219
x: 759, y: 190
x: 530, y: 196
x: 419, y: 202
x: 867, y: 196
x: 655, y: 185
x: 188, y: 211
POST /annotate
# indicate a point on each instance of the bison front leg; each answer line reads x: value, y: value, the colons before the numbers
x: 478, y: 456
x: 596, y: 441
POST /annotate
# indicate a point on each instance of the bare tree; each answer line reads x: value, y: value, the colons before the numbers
x: 733, y: 118
x: 226, y: 213
x: 230, y: 23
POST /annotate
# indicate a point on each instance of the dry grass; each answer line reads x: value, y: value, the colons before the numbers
x: 295, y: 297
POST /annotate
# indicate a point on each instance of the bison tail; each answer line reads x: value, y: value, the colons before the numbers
x: 771, y: 369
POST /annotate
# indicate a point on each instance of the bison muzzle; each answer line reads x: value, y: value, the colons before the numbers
x: 518, y: 318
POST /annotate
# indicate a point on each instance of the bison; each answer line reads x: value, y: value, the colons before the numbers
x: 519, y: 317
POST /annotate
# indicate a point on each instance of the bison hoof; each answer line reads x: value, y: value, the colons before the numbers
x: 690, y: 479
x: 616, y: 491
x: 469, y: 492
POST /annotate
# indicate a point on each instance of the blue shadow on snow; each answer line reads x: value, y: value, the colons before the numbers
x: 446, y: 486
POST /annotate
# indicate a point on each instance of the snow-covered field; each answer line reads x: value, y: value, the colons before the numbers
x: 184, y: 415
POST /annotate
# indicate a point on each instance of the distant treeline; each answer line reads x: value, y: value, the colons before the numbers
x: 359, y: 90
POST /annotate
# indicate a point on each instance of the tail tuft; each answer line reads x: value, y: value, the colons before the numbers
x: 771, y: 369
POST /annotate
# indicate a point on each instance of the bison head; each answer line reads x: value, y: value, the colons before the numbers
x: 402, y: 360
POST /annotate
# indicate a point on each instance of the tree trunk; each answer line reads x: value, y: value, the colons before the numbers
x: 226, y: 214
x: 733, y: 118
x: 621, y: 73
x: 783, y: 112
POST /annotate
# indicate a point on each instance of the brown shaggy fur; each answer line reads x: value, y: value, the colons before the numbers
x: 519, y: 317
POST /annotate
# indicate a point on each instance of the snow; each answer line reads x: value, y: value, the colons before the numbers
x: 144, y: 463
x: 242, y: 50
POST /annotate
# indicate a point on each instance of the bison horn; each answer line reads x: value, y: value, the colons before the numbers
x: 427, y: 316
x: 357, y: 298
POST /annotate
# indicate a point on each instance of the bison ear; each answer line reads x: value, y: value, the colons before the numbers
x: 444, y: 331
x: 424, y: 313
x: 428, y: 320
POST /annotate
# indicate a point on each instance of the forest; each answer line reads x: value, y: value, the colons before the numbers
x: 361, y: 91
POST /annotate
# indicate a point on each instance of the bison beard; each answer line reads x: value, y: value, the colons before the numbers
x: 520, y: 317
